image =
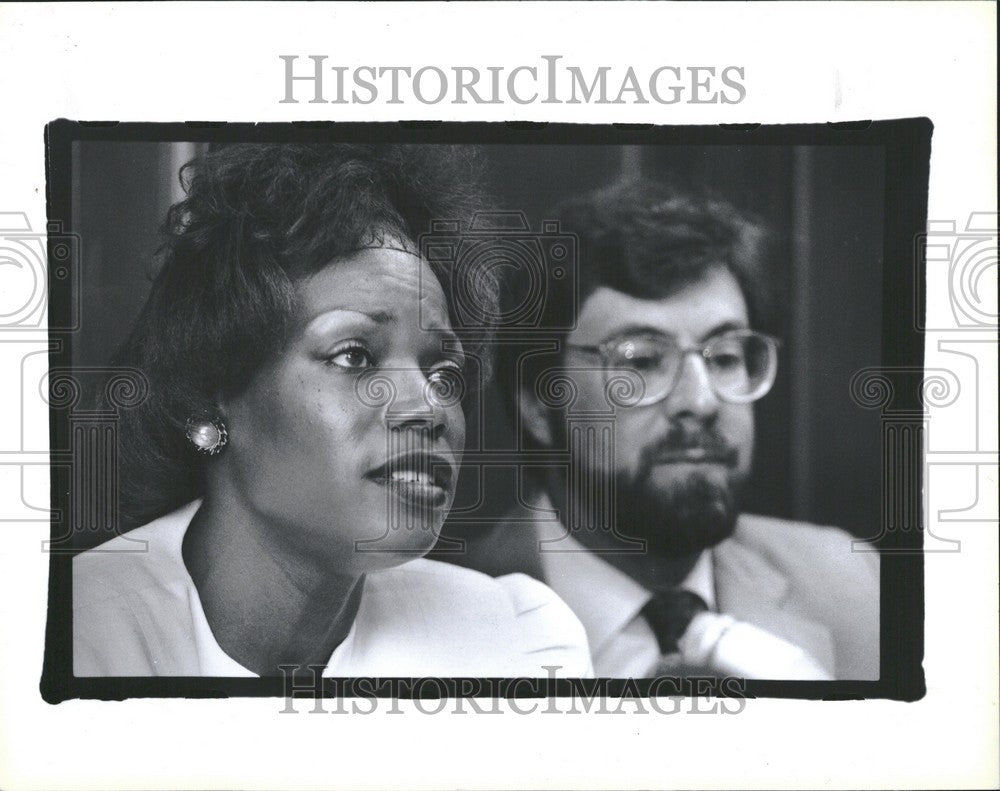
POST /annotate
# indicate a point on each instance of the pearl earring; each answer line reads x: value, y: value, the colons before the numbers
x: 207, y: 436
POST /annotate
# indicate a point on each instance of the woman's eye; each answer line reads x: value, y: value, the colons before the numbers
x: 353, y: 358
x: 446, y: 372
x: 447, y: 381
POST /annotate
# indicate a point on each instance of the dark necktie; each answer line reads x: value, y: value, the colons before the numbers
x: 669, y: 613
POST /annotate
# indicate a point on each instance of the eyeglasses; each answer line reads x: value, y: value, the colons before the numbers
x: 741, y: 364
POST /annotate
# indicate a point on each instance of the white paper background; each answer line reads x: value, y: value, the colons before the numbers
x: 804, y: 62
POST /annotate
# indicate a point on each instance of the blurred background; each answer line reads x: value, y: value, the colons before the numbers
x: 818, y: 453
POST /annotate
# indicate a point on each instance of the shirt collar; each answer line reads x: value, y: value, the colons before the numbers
x: 603, y: 597
x: 701, y: 579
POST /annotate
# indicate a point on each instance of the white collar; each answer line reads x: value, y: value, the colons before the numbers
x: 604, y: 598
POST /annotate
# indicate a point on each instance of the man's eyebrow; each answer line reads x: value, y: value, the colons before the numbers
x: 725, y: 326
x: 631, y: 329
x: 646, y: 329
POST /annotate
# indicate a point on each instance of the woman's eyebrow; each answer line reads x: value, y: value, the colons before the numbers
x: 318, y: 321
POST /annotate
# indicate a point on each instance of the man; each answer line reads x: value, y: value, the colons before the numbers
x: 650, y: 396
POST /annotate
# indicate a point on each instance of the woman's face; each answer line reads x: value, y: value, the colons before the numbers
x: 339, y: 443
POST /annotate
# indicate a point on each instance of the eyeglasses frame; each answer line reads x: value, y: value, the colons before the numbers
x: 702, y: 351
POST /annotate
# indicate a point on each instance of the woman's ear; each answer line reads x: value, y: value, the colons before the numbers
x: 534, y: 417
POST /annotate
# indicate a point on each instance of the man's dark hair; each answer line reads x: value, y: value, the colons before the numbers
x: 255, y: 220
x: 647, y: 239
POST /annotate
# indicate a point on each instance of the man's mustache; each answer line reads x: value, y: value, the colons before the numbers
x: 685, y: 444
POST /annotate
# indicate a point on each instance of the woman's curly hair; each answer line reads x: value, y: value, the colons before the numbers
x: 257, y: 218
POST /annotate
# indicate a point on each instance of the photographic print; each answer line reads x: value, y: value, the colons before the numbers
x: 466, y: 402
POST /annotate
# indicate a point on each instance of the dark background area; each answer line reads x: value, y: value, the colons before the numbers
x: 818, y: 453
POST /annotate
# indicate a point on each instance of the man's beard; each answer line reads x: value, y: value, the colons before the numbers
x: 684, y: 514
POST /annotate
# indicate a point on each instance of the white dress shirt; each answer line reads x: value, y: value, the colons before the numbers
x: 138, y: 613
x: 609, y: 602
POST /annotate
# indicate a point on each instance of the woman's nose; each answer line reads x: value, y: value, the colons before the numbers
x: 414, y: 406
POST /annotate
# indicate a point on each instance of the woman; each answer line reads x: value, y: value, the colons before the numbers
x: 300, y: 445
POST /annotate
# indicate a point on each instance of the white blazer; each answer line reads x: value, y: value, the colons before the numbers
x: 137, y: 613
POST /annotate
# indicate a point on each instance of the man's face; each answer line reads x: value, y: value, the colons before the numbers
x: 678, y: 463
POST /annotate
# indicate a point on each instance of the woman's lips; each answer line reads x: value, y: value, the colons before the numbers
x: 415, y: 492
x: 417, y: 479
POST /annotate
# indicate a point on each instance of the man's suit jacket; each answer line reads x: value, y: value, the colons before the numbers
x: 807, y: 584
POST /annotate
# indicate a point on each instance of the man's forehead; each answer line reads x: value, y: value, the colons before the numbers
x: 692, y: 311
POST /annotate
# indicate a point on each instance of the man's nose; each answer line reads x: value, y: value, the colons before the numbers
x: 693, y: 394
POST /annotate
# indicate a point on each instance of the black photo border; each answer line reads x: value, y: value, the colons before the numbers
x: 906, y: 143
